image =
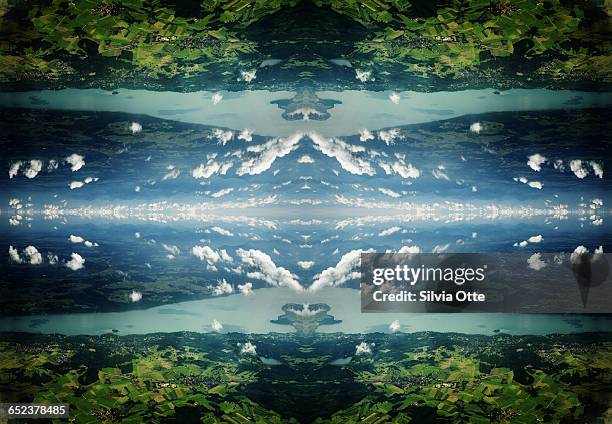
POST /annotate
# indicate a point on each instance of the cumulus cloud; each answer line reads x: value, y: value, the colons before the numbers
x: 405, y: 170
x: 135, y: 296
x: 365, y: 135
x: 389, y: 231
x: 216, y: 98
x: 409, y: 249
x: 345, y: 270
x: 14, y: 255
x: 578, y: 168
x: 76, y: 239
x: 476, y: 127
x: 222, y: 288
x: 388, y: 136
x: 305, y: 264
x: 249, y: 75
x: 348, y: 155
x: 363, y: 76
x: 14, y: 169
x: 266, y: 153
x: 135, y: 127
x: 76, y: 262
x: 597, y: 168
x: 389, y: 192
x: 246, y: 289
x: 535, y: 184
x: 222, y: 231
x: 210, y: 256
x: 535, y: 239
x: 34, y: 167
x: 222, y: 192
x: 206, y: 170
x: 222, y: 136
x: 535, y: 262
x: 535, y: 161
x: 76, y: 161
x: 33, y: 255
x: 248, y: 349
x: 246, y: 135
x: 76, y: 184
x: 363, y: 349
x: 395, y: 98
x: 305, y: 159
x: 217, y: 326
x: 263, y: 268
x: 394, y: 326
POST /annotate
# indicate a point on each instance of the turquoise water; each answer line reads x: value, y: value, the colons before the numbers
x: 252, y: 314
x: 253, y: 110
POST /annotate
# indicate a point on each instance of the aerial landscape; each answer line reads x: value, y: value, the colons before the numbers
x: 192, y: 188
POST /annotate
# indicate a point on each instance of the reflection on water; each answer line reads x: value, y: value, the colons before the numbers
x: 255, y: 313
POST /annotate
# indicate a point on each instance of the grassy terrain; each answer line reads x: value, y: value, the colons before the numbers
x: 155, y: 44
x: 421, y: 377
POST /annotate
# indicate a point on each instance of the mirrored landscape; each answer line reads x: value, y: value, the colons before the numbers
x: 190, y: 189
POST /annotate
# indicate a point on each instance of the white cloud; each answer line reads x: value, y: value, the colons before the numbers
x: 405, y: 170
x: 440, y: 248
x: 222, y: 288
x: 363, y: 76
x: 76, y: 239
x: 216, y: 98
x: 476, y: 127
x: 135, y: 127
x: 389, y: 192
x: 388, y: 136
x: 248, y: 76
x: 135, y: 296
x: 440, y: 175
x: 535, y: 239
x: 345, y: 270
x: 597, y: 168
x: 389, y: 231
x: 535, y: 161
x: 34, y: 167
x: 76, y: 184
x: 248, y: 349
x: 266, y: 153
x: 33, y: 255
x: 217, y: 326
x: 14, y: 169
x: 211, y: 167
x: 222, y: 231
x: 394, y: 326
x: 246, y: 289
x: 265, y: 269
x: 363, y: 349
x: 365, y: 135
x: 305, y: 159
x: 576, y: 256
x: 305, y: 264
x: 76, y: 262
x: 344, y: 153
x: 222, y: 136
x: 578, y: 168
x: 222, y: 192
x: 395, y: 98
x: 14, y: 255
x: 535, y: 184
x: 172, y: 249
x: 535, y: 262
x: 172, y: 175
x: 246, y: 135
x: 409, y: 249
x: 76, y: 161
